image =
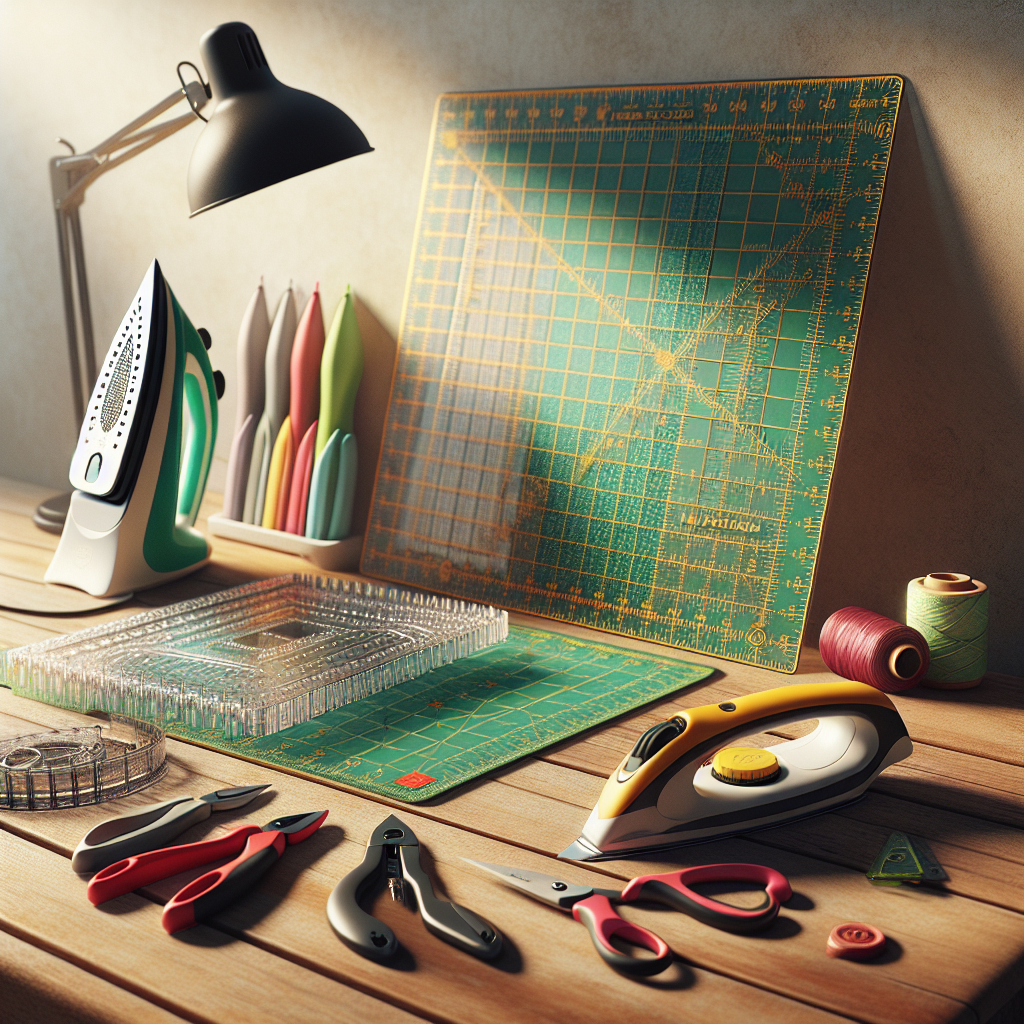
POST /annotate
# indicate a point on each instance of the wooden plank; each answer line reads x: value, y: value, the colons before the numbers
x: 72, y: 623
x: 285, y: 916
x: 20, y: 529
x: 984, y: 721
x: 40, y: 988
x: 14, y: 633
x: 49, y: 599
x: 21, y: 497
x: 201, y: 978
x: 916, y: 985
x: 24, y: 561
x: 949, y: 779
x: 959, y: 782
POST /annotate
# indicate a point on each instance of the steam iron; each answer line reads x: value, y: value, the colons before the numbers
x: 683, y: 783
x: 130, y: 522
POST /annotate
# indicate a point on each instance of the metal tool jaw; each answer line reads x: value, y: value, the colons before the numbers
x: 665, y: 792
x: 392, y: 852
x: 296, y: 827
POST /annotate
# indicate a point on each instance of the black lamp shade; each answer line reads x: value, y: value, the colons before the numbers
x: 261, y: 131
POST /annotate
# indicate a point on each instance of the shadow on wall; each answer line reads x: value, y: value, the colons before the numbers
x: 930, y: 471
x: 371, y: 406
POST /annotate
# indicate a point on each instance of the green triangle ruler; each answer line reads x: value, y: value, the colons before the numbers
x: 905, y: 859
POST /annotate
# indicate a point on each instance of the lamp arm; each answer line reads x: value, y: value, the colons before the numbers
x: 70, y: 176
x: 130, y: 147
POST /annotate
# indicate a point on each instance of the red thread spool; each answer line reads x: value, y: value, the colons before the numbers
x: 859, y: 644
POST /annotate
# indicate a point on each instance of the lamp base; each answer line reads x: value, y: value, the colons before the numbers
x: 50, y: 514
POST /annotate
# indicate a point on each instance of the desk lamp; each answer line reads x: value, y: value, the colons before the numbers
x: 260, y: 132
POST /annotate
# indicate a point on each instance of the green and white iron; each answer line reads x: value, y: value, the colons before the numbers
x: 131, y: 520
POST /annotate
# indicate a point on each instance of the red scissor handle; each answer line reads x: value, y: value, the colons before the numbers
x: 598, y: 916
x: 673, y: 889
x: 135, y: 872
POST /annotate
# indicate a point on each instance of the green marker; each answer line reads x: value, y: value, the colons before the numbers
x: 341, y: 370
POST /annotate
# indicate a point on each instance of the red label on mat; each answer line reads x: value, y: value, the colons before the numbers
x: 414, y: 780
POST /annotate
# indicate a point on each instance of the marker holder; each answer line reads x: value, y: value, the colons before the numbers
x: 329, y: 555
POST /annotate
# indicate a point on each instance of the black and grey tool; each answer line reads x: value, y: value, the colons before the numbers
x: 392, y: 852
x: 152, y: 827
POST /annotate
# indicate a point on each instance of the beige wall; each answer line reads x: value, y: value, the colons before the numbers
x: 930, y: 470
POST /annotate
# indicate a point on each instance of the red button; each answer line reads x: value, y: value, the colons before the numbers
x: 854, y: 941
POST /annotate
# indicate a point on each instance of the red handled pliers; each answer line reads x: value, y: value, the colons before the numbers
x: 258, y: 850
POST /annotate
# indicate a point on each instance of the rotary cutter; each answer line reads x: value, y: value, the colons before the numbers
x: 138, y: 475
x: 683, y: 783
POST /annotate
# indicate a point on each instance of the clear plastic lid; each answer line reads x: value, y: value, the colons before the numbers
x: 255, y: 659
x: 85, y: 765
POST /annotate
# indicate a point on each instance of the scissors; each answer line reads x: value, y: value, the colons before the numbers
x: 257, y: 850
x: 593, y: 907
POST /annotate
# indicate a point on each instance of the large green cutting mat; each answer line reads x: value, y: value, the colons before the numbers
x: 421, y: 738
x: 624, y: 356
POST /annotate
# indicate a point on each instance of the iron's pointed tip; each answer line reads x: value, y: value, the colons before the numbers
x: 578, y: 851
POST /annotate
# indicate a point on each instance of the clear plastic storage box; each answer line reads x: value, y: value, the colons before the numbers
x: 255, y: 659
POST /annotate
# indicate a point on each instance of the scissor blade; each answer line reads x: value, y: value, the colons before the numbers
x: 546, y: 888
x: 231, y: 799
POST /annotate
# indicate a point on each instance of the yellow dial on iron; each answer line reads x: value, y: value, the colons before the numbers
x: 745, y: 766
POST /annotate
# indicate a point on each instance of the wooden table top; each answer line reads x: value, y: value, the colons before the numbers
x: 954, y: 954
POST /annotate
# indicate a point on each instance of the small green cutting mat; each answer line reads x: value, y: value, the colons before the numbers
x: 624, y: 355
x: 420, y: 739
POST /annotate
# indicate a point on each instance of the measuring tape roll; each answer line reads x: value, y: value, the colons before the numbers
x: 951, y: 611
x: 74, y: 767
x: 859, y: 644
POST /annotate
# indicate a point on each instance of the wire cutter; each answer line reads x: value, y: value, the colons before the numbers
x: 152, y: 826
x: 593, y: 907
x: 257, y: 849
x: 393, y: 851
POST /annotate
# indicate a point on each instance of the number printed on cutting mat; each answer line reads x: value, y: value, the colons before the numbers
x: 624, y: 355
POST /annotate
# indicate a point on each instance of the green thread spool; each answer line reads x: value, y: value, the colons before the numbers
x: 951, y: 611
